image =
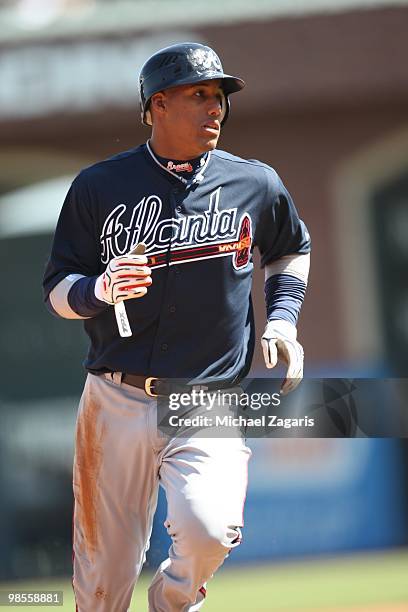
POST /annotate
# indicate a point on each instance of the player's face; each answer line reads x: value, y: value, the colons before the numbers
x: 191, y: 118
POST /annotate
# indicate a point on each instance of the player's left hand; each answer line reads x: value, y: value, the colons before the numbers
x: 279, y: 343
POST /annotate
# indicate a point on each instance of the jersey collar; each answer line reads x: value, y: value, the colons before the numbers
x: 198, y: 178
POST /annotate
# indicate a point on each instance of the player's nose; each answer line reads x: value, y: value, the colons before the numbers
x: 215, y: 108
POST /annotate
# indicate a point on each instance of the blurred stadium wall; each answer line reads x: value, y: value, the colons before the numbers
x: 326, y: 105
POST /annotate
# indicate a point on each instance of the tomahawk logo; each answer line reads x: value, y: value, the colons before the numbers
x: 205, y: 60
x: 213, y: 233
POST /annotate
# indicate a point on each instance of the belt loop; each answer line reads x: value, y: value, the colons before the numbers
x: 117, y: 378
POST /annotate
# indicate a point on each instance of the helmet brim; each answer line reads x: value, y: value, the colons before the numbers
x: 230, y: 84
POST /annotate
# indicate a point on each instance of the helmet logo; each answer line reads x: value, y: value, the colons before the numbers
x: 204, y: 60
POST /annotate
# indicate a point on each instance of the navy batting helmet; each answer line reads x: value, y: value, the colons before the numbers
x: 183, y: 64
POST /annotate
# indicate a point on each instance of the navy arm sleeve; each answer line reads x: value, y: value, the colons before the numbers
x: 284, y: 295
x: 82, y: 298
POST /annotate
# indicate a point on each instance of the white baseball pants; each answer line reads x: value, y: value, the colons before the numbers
x: 120, y: 460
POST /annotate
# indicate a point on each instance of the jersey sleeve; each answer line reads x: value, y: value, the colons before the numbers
x: 279, y: 230
x: 75, y: 248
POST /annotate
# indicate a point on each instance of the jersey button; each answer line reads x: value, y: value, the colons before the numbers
x: 178, y: 209
x: 164, y: 346
x: 172, y: 309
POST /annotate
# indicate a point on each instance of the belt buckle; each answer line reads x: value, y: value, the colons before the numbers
x: 148, y: 386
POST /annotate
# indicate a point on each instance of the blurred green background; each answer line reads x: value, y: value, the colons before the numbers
x: 377, y: 582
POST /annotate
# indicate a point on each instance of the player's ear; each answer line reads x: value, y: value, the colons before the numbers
x: 158, y: 103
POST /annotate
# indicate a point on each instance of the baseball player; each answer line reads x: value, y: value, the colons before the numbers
x: 153, y: 250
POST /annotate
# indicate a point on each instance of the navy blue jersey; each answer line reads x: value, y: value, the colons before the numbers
x: 196, y: 321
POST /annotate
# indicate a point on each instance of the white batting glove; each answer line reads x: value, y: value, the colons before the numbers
x: 125, y: 278
x: 279, y: 343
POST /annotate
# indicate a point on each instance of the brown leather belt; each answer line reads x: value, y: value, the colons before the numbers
x: 159, y: 386
x: 148, y: 384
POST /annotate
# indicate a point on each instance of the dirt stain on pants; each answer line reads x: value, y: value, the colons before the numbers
x: 88, y: 461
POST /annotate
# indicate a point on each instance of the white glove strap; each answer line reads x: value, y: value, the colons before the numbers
x: 99, y: 294
x: 279, y: 342
x: 280, y: 328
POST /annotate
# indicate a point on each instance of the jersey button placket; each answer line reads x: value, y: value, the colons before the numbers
x: 176, y: 196
x: 160, y: 355
x: 178, y: 209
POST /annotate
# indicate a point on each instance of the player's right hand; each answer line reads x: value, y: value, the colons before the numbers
x: 125, y: 277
